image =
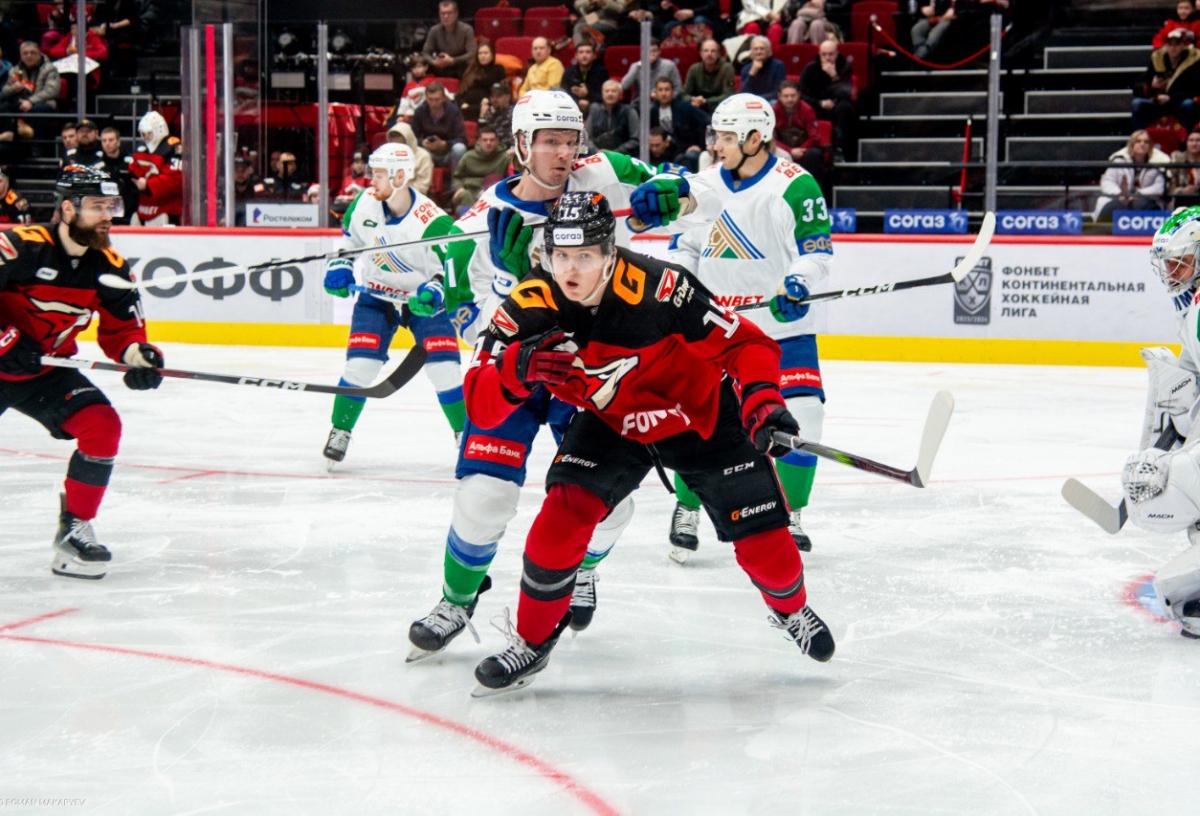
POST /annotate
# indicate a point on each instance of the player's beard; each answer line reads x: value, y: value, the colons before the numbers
x: 90, y: 237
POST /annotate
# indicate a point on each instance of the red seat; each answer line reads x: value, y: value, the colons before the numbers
x: 618, y: 58
x: 450, y: 84
x: 472, y: 129
x: 795, y: 56
x: 494, y: 23
x: 824, y: 132
x: 546, y: 21
x: 1166, y: 139
x: 566, y: 54
x: 685, y: 56
x: 519, y: 47
x: 556, y: 12
x: 441, y: 180
x: 860, y: 26
x: 856, y: 53
x: 880, y: 7
x: 378, y: 139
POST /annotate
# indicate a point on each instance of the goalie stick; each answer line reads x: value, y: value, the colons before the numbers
x: 964, y: 267
x: 404, y: 372
x: 117, y: 282
x: 931, y: 439
x: 1107, y: 517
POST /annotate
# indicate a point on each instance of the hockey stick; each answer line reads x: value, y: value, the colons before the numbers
x: 964, y: 267
x: 117, y: 282
x: 1109, y: 518
x: 931, y: 439
x: 404, y: 372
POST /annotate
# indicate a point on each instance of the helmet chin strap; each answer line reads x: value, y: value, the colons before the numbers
x: 605, y: 276
x: 737, y: 170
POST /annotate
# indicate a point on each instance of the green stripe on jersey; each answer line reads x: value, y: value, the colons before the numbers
x: 628, y: 169
x: 804, y: 197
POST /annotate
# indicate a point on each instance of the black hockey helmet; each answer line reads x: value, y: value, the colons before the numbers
x: 580, y: 219
x: 77, y: 181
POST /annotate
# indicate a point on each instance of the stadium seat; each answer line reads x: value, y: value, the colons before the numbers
x: 880, y: 7
x: 795, y: 56
x: 685, y: 56
x: 860, y: 62
x: 1166, y: 138
x: 519, y: 47
x: 494, y: 23
x: 618, y: 58
x: 472, y: 129
x: 546, y: 21
x: 860, y: 26
x: 450, y: 84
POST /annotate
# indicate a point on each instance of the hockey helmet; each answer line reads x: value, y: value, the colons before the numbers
x: 744, y: 114
x: 77, y: 182
x: 546, y: 110
x: 580, y: 219
x: 393, y: 157
x: 1174, y: 251
x: 153, y: 129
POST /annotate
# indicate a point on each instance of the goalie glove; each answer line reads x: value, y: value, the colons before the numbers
x: 146, y: 358
x: 1170, y: 397
x: 1162, y: 489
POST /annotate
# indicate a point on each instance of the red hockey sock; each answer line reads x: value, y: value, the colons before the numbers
x: 774, y: 566
x: 554, y: 550
x: 97, y: 430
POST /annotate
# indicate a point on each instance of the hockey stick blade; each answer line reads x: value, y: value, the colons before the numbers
x: 1107, y: 517
x: 986, y: 230
x: 404, y: 372
x: 936, y: 423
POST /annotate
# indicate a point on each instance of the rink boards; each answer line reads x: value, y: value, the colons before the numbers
x: 1076, y: 301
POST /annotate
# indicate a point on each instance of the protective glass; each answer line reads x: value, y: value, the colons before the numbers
x: 97, y: 207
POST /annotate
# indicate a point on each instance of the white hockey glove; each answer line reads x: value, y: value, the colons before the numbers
x: 1170, y: 397
x: 1162, y: 489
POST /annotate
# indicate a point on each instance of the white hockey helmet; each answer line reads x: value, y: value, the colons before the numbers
x: 1174, y: 251
x: 546, y: 110
x: 744, y: 114
x: 393, y: 157
x: 153, y: 129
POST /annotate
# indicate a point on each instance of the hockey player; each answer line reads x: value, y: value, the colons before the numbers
x: 769, y: 243
x: 157, y: 170
x: 548, y: 136
x: 610, y: 331
x: 391, y: 212
x: 1162, y: 488
x: 48, y: 294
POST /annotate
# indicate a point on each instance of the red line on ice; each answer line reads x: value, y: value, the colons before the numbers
x: 543, y: 768
x: 38, y: 619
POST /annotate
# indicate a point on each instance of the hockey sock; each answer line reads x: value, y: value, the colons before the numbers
x: 774, y: 566
x: 796, y: 472
x: 97, y: 430
x: 346, y: 410
x: 454, y: 408
x: 553, y: 552
x: 684, y: 494
x: 464, y: 568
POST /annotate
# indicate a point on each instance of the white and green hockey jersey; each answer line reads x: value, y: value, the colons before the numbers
x: 613, y: 175
x: 398, y: 271
x: 744, y: 237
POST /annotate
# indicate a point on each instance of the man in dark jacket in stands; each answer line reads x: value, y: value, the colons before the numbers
x: 613, y: 125
x: 440, y: 128
x: 1170, y: 84
x: 827, y: 85
x: 584, y: 78
x: 684, y: 121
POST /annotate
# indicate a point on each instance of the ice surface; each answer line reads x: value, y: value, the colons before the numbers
x: 246, y: 652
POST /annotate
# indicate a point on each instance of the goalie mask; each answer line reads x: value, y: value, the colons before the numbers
x: 153, y: 129
x: 1173, y: 253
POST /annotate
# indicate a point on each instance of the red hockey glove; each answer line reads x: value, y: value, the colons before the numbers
x: 19, y: 353
x: 147, y: 358
x: 763, y: 413
x: 535, y: 360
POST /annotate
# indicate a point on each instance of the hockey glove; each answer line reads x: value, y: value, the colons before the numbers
x: 508, y: 241
x: 428, y: 299
x: 657, y: 202
x: 339, y: 275
x: 20, y: 354
x: 785, y: 306
x: 544, y: 358
x: 763, y: 413
x: 147, y: 358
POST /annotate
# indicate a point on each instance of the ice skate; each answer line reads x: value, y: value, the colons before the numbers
x: 685, y: 524
x: 433, y: 633
x: 808, y: 631
x: 798, y: 535
x: 1190, y: 618
x: 335, y: 447
x: 583, y: 600
x: 77, y: 554
x: 516, y: 666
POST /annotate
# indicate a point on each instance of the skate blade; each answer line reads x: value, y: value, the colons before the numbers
x: 330, y: 464
x: 69, y: 567
x: 417, y: 654
x: 481, y: 690
x: 680, y: 555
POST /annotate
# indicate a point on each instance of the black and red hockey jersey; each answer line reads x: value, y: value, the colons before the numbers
x: 650, y: 357
x: 51, y: 296
x: 14, y: 209
x: 163, y: 172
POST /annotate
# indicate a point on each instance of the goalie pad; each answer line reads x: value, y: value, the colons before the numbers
x: 1178, y: 582
x: 1162, y: 489
x: 1170, y: 397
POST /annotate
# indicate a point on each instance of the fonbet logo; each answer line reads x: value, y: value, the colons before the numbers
x: 644, y: 421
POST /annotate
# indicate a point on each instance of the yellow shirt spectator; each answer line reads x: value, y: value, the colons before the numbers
x: 545, y: 73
